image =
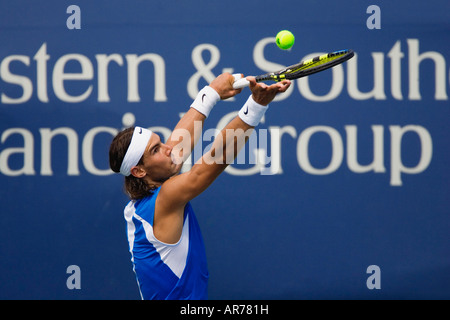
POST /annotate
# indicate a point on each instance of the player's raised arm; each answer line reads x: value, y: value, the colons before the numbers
x: 226, y: 146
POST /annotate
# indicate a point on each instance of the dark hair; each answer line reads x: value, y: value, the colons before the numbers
x: 134, y: 187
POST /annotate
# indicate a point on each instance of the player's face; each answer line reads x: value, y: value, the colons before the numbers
x: 158, y: 160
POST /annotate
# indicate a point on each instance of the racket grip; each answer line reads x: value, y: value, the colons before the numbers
x: 241, y: 83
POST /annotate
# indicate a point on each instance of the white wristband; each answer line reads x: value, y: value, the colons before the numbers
x: 206, y: 99
x: 252, y: 112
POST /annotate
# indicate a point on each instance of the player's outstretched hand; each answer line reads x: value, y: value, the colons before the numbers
x: 264, y: 94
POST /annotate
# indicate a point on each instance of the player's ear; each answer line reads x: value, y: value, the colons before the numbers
x: 138, y: 172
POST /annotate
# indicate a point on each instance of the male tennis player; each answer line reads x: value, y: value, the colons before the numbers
x: 165, y: 242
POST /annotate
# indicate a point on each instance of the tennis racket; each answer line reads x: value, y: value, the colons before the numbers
x: 301, y: 69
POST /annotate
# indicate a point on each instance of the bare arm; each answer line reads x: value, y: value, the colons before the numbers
x: 225, y: 148
x: 183, y: 188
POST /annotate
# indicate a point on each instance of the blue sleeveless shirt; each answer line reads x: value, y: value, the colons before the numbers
x: 166, y: 271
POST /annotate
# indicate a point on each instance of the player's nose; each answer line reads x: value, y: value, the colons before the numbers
x: 168, y: 149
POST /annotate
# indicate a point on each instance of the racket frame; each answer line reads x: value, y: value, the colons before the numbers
x: 301, y: 69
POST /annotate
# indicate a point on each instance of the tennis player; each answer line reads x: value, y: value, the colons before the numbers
x: 165, y: 242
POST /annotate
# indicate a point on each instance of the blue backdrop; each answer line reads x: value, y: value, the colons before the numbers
x: 356, y: 168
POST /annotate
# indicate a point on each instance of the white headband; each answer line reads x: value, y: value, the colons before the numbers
x: 136, y: 149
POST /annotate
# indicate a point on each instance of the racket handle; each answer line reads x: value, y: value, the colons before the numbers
x: 241, y: 83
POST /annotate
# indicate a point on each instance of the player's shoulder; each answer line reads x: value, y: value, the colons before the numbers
x: 147, y: 203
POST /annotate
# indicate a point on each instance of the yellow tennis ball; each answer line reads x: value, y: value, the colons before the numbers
x: 285, y: 39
